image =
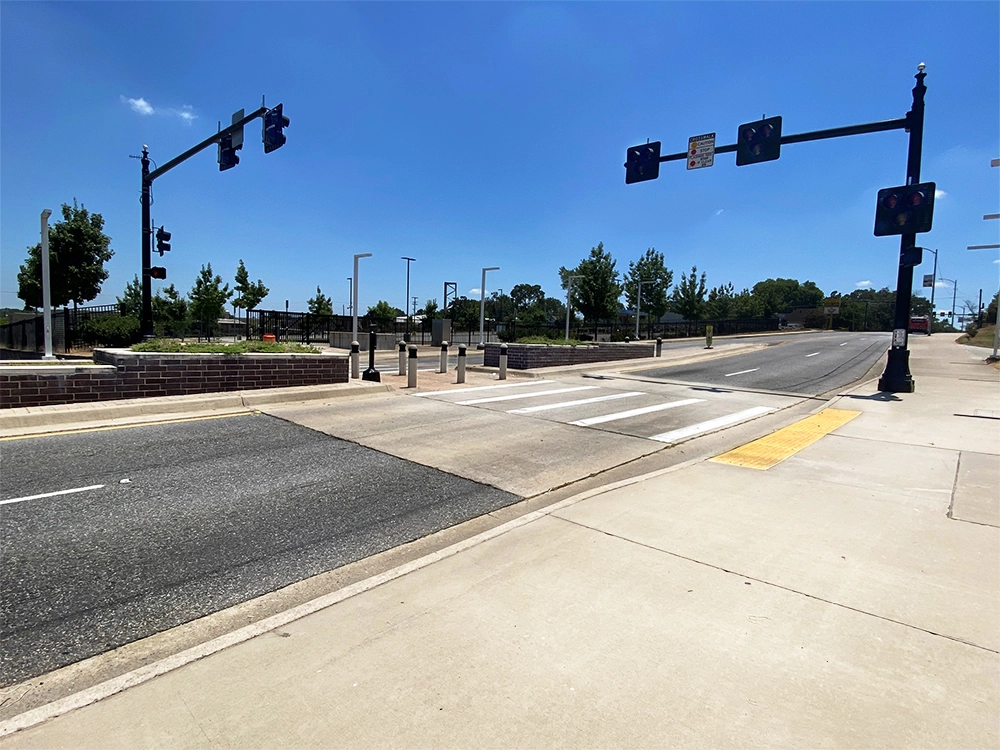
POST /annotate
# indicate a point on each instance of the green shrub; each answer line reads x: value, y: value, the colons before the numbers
x: 110, y: 330
x: 240, y: 347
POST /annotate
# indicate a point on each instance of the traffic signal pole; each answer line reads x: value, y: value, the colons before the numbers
x: 146, y: 201
x: 897, y: 378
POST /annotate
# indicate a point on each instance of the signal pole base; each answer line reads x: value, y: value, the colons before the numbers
x: 897, y: 378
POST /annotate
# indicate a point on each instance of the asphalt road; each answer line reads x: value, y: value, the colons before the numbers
x: 192, y: 517
x: 808, y: 364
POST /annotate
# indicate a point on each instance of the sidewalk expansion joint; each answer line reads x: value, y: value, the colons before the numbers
x: 776, y: 585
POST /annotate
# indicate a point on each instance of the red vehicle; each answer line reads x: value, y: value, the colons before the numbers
x: 920, y: 324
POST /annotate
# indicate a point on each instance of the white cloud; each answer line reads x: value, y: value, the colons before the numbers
x: 939, y: 194
x: 997, y: 260
x: 718, y: 212
x: 475, y: 291
x: 943, y: 284
x: 139, y: 105
x: 863, y: 284
x: 142, y: 107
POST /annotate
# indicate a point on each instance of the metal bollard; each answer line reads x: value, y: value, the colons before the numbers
x: 659, y: 346
x: 444, y: 357
x: 402, y: 357
x: 411, y: 371
x: 461, y: 364
x: 355, y: 360
x: 371, y: 373
x: 503, y: 361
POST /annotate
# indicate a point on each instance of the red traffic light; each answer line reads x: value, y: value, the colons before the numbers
x: 158, y: 272
x: 759, y: 141
x: 642, y: 162
x: 908, y: 209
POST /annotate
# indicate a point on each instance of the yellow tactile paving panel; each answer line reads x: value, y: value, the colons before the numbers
x: 776, y: 447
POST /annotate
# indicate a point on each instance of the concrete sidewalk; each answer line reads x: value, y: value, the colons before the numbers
x: 848, y: 596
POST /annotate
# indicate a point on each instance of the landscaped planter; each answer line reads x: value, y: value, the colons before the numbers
x: 530, y: 356
x: 128, y: 374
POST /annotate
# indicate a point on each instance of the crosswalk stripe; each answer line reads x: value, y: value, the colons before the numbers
x: 553, y: 392
x: 578, y: 402
x: 483, y: 388
x: 697, y: 429
x: 636, y: 412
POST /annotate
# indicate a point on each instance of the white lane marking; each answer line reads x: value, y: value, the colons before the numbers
x: 811, y: 355
x: 635, y: 412
x: 51, y: 494
x: 844, y: 344
x: 578, y: 402
x: 741, y: 372
x: 696, y: 429
x: 552, y: 392
x: 483, y: 388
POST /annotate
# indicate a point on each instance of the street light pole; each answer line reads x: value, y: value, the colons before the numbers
x: 46, y: 286
x: 569, y: 287
x: 406, y: 304
x: 350, y: 293
x: 482, y: 304
x: 354, y: 296
x: 930, y: 327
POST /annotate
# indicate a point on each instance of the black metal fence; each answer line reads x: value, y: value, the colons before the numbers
x: 619, y: 331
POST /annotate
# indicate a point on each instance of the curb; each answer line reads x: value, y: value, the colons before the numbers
x: 41, y: 419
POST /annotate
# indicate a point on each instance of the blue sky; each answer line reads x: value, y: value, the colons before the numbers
x: 493, y: 134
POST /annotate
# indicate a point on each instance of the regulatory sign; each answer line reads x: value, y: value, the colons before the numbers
x: 928, y: 279
x: 701, y: 151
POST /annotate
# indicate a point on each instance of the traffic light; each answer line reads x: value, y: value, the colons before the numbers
x: 274, y: 121
x: 642, y: 162
x: 904, y: 210
x: 758, y: 141
x: 227, y: 153
x: 162, y: 241
x: 157, y: 272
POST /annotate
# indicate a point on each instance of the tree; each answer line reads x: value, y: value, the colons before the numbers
x: 78, y: 250
x: 382, y: 313
x: 208, y: 300
x: 525, y: 296
x: 320, y: 304
x: 745, y: 305
x: 248, y: 294
x: 170, y: 313
x: 784, y: 295
x: 431, y: 309
x: 596, y: 293
x: 131, y: 300
x: 656, y: 279
x: 720, y: 303
x: 688, y: 298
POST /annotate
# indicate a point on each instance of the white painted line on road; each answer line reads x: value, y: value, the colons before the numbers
x: 811, y: 355
x: 51, y: 494
x: 844, y: 344
x: 552, y: 392
x: 636, y: 412
x: 483, y: 388
x: 741, y: 372
x: 713, y: 424
x: 578, y: 402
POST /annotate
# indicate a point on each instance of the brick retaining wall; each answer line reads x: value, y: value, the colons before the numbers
x: 141, y: 375
x: 530, y: 356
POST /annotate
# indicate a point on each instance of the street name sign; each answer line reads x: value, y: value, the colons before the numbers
x: 701, y: 151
